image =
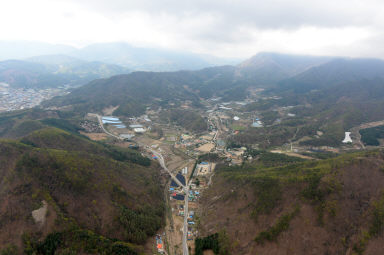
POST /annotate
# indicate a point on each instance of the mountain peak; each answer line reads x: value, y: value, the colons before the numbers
x: 281, y: 64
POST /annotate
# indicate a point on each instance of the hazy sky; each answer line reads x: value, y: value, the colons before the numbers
x: 227, y: 28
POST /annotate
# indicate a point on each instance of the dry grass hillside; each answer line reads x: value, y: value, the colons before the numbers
x: 333, y: 206
x: 99, y: 199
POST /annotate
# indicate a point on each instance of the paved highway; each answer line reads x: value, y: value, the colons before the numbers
x: 102, y: 127
x: 160, y: 158
x: 162, y: 163
x: 186, y: 191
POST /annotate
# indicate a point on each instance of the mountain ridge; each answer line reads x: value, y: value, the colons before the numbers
x: 97, y: 197
x: 37, y: 74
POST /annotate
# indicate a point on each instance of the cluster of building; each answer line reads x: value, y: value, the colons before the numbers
x: 193, y: 195
x: 194, y: 145
x: 175, y: 190
x: 137, y: 125
x: 137, y: 128
x: 113, y: 121
x: 190, y: 220
x: 191, y: 230
x: 235, y: 155
x: 204, y: 168
x: 191, y: 223
x: 91, y: 126
x: 257, y: 123
x: 12, y: 99
x: 160, y: 244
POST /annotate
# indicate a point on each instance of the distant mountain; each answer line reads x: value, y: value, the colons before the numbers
x: 268, y: 68
x: 335, y: 72
x: 333, y: 98
x: 26, y: 49
x: 341, y: 92
x: 147, y: 59
x: 54, y: 71
x: 62, y: 64
x: 118, y: 53
x: 23, y: 74
x: 132, y: 93
x: 55, y: 60
x: 138, y: 90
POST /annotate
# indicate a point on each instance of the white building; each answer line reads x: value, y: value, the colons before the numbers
x: 139, y: 130
x: 347, y: 138
x: 135, y: 126
x: 127, y: 136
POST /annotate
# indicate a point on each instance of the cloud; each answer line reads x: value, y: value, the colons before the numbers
x: 231, y: 28
x: 258, y: 13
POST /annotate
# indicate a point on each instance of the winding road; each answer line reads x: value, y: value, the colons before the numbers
x: 160, y: 158
x: 186, y: 191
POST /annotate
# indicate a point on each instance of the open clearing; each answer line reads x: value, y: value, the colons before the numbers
x: 292, y: 154
x: 39, y: 214
x: 206, y: 147
x: 95, y: 136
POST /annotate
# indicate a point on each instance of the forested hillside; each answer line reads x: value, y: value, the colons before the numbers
x: 54, y: 71
x: 331, y: 98
x: 332, y: 206
x: 333, y: 73
x: 100, y: 199
x: 18, y: 124
x: 132, y: 93
x: 269, y: 68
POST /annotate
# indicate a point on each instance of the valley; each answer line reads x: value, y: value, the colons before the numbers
x: 180, y: 148
x: 173, y: 127
x: 208, y: 161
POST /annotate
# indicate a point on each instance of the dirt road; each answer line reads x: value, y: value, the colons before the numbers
x: 355, y: 131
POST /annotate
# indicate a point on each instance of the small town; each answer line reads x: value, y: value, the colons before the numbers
x: 12, y: 99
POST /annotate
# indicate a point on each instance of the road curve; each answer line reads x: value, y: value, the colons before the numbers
x: 186, y: 191
x: 162, y: 163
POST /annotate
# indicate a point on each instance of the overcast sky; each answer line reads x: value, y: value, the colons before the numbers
x: 226, y: 28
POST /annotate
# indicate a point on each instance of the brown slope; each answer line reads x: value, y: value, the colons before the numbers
x: 330, y: 220
x: 84, y: 192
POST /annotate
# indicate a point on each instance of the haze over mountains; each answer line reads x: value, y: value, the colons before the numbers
x: 277, y: 72
x: 336, y: 72
x: 123, y: 54
x: 270, y: 67
x: 54, y: 71
x: 42, y: 65
x: 341, y: 92
x: 38, y: 63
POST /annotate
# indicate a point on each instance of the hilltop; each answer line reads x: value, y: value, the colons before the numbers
x: 269, y: 68
x: 333, y: 73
